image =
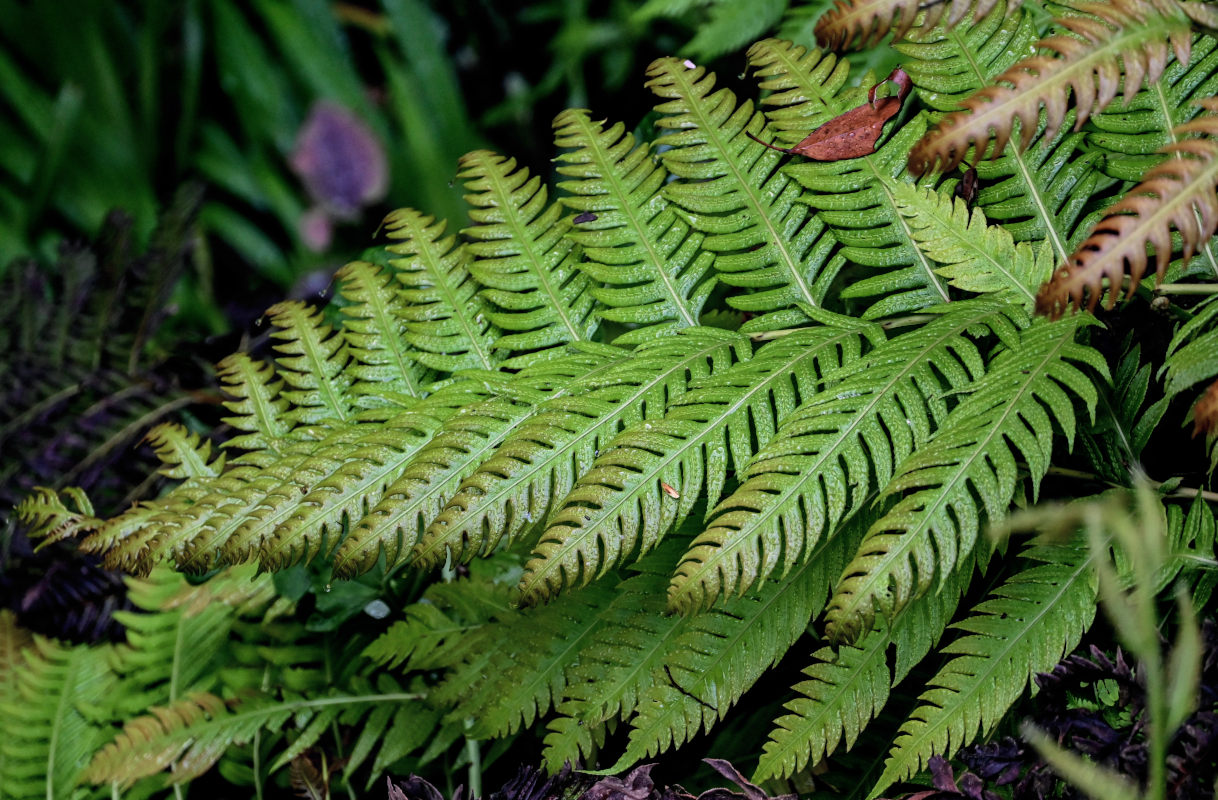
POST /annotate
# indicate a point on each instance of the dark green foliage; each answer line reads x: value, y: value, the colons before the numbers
x: 694, y: 412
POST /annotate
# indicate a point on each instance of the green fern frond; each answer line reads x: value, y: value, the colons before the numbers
x: 1191, y: 352
x: 46, y: 733
x: 384, y: 369
x: 1086, y: 55
x: 650, y: 267
x: 623, y: 660
x: 977, y: 257
x: 805, y: 88
x: 395, y: 523
x: 183, y: 454
x: 51, y: 518
x: 523, y: 257
x: 530, y: 654
x: 1133, y: 132
x: 949, y: 62
x: 855, y: 197
x: 257, y: 403
x: 312, y: 362
x: 1038, y: 192
x: 446, y: 321
x: 177, y: 643
x: 722, y: 651
x: 730, y: 189
x: 968, y: 472
x: 714, y: 428
x: 848, y: 685
x: 441, y: 630
x: 1026, y: 626
x: 539, y: 461
x: 188, y: 736
x: 836, y: 451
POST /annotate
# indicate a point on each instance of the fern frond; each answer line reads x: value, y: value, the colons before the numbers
x: 312, y: 362
x: 723, y: 651
x: 731, y: 190
x: 1038, y: 193
x: 538, y: 463
x: 384, y: 370
x: 257, y: 405
x: 856, y: 198
x: 947, y: 63
x: 848, y: 685
x: 188, y: 736
x: 446, y: 321
x: 977, y: 257
x: 1096, y: 47
x: 183, y: 454
x: 441, y: 629
x: 46, y: 735
x: 396, y: 522
x: 805, y: 88
x: 1026, y: 626
x: 532, y: 653
x: 52, y: 519
x: 967, y: 472
x: 650, y: 267
x: 1191, y: 354
x: 835, y: 451
x: 868, y: 21
x: 523, y: 256
x: 1177, y: 193
x: 177, y: 643
x: 623, y: 660
x: 718, y: 425
x: 1133, y: 133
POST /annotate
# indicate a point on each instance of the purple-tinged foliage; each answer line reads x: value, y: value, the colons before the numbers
x: 340, y: 161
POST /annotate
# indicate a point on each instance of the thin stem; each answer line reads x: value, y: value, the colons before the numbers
x: 1184, y: 491
x: 1187, y: 288
x: 474, y: 753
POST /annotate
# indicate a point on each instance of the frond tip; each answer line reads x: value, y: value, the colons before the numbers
x: 1179, y: 193
x: 1109, y: 45
x: 869, y: 20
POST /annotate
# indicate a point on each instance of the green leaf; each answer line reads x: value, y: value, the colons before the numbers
x: 653, y: 270
x: 513, y: 491
x: 835, y: 451
x: 968, y: 472
x: 1026, y: 626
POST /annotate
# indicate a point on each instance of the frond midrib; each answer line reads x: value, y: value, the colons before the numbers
x: 642, y: 233
x: 760, y: 209
x: 926, y: 264
x: 944, y: 494
x: 377, y: 299
x: 992, y: 662
x: 436, y: 268
x: 524, y: 239
x: 844, y: 437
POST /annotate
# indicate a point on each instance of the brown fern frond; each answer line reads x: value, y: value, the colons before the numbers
x: 1111, y: 39
x: 869, y: 20
x: 1180, y: 192
x: 1205, y: 413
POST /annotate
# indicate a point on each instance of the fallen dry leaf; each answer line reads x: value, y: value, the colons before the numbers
x: 855, y: 132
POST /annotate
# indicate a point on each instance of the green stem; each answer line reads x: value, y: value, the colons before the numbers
x: 474, y: 753
x: 1187, y: 288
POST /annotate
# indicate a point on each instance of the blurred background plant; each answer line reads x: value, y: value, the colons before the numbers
x: 306, y: 120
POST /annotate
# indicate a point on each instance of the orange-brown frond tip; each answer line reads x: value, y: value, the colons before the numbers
x: 866, y: 22
x: 1205, y: 413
